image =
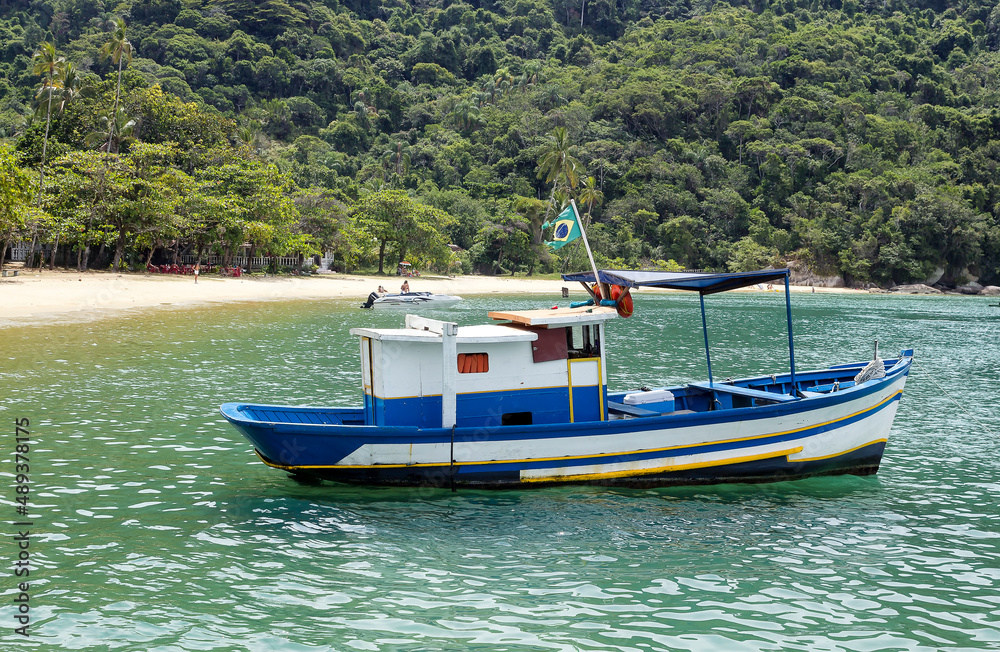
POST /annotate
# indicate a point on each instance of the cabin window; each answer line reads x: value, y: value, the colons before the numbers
x: 584, y: 341
x: 473, y: 363
x: 515, y: 419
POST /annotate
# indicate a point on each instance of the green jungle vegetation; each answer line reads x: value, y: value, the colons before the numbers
x: 859, y: 139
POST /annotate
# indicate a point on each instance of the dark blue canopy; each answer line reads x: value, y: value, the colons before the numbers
x: 694, y: 281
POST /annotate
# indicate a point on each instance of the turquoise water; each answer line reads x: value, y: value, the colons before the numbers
x: 156, y: 528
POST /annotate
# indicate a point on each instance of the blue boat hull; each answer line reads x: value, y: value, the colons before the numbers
x: 864, y: 461
x: 732, y: 433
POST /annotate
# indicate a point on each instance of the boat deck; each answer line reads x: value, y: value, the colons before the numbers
x: 742, y: 393
x: 687, y: 399
x: 303, y: 415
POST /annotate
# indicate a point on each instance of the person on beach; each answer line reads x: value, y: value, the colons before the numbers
x: 405, y: 287
x: 197, y: 269
x: 381, y: 291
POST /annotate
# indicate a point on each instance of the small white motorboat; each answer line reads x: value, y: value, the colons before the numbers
x: 411, y: 300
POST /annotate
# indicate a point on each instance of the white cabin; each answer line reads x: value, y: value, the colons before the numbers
x: 534, y: 367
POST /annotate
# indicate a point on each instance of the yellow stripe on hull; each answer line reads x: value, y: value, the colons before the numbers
x: 586, y: 477
x: 881, y: 440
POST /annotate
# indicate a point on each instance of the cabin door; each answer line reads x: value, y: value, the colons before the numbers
x: 586, y: 398
x: 368, y: 379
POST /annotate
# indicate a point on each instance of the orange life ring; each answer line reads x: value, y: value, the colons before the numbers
x: 622, y: 299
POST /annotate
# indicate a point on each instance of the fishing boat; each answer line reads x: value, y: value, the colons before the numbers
x: 410, y: 300
x: 524, y: 402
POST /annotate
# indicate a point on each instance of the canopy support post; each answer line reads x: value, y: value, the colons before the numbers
x: 449, y: 363
x: 704, y: 329
x: 791, y: 347
x: 449, y: 376
x: 593, y: 296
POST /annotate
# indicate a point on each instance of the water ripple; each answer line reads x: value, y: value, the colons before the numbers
x: 157, y: 528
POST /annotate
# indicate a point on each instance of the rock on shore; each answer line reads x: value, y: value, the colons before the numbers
x: 916, y: 288
x: 802, y: 275
x: 970, y: 288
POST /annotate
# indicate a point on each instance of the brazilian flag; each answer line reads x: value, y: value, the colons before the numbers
x: 567, y: 228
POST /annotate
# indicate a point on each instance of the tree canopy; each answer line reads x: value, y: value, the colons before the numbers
x: 859, y: 139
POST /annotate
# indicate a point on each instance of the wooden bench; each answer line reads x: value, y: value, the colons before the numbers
x: 630, y: 410
x: 756, y: 394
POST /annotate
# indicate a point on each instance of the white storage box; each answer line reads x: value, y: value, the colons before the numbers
x: 663, y: 399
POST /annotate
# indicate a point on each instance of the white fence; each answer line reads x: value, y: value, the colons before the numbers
x: 243, y: 261
x: 260, y: 261
x: 19, y: 251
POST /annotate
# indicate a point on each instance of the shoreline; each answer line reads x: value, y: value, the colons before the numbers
x: 70, y: 296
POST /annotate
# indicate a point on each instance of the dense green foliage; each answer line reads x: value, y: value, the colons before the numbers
x: 860, y: 139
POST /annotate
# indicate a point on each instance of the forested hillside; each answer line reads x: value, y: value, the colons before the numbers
x: 858, y: 139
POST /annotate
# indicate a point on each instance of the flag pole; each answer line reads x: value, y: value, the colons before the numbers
x: 593, y: 265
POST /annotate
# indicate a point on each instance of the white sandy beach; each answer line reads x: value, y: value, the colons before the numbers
x: 56, y: 295
x: 60, y: 295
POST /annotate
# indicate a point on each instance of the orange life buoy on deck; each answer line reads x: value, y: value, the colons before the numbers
x: 622, y: 299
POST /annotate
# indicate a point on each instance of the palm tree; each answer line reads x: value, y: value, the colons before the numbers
x: 533, y: 69
x: 551, y: 97
x: 46, y: 65
x: 363, y: 109
x: 69, y: 86
x: 492, y: 92
x: 397, y: 158
x: 465, y: 114
x: 118, y: 48
x: 363, y: 112
x: 558, y: 161
x: 374, y: 185
x: 117, y: 130
x: 249, y: 134
x: 590, y: 195
x: 502, y: 81
x: 560, y: 200
x: 482, y: 98
x: 529, y: 76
